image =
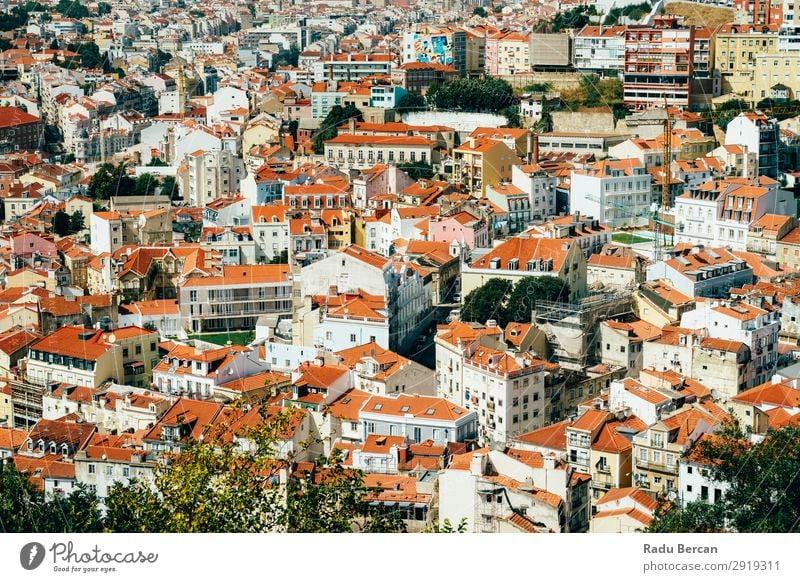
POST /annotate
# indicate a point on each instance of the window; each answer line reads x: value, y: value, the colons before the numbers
x: 92, y: 469
x: 689, y: 488
x: 352, y: 337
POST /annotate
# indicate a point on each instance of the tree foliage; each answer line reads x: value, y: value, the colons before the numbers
x: 90, y: 55
x: 527, y: 291
x: 328, y: 128
x: 61, y: 223
x: 213, y: 485
x: 487, y: 301
x: 634, y: 12
x: 111, y: 180
x: 485, y: 94
x: 576, y: 18
x: 505, y: 301
x: 763, y: 485
x: 412, y: 102
x: 77, y: 221
x: 417, y: 170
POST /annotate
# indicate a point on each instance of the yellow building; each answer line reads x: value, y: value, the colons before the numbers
x: 777, y: 76
x: 787, y: 251
x: 658, y: 449
x: 736, y: 47
x: 477, y: 163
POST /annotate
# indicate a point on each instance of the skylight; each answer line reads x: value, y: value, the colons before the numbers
x: 430, y: 411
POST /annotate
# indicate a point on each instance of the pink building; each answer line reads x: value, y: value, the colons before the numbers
x: 28, y: 244
x: 462, y: 227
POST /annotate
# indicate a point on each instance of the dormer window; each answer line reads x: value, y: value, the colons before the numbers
x: 30, y: 444
x: 53, y: 448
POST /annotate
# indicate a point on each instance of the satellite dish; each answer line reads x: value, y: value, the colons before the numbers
x: 112, y: 338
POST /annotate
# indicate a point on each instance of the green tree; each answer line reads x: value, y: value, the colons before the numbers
x: 20, y: 501
x: 332, y: 500
x: 145, y: 185
x: 103, y: 8
x: 724, y: 112
x: 527, y: 291
x: 511, y: 113
x: 157, y: 163
x: 89, y: 54
x: 485, y: 94
x: 695, y: 517
x: 110, y: 180
x: 61, y: 223
x: 487, y: 301
x: 545, y: 87
x: 78, y: 512
x: 479, y: 11
x: 448, y: 527
x: 77, y: 221
x: 763, y: 484
x: 417, y: 170
x: 412, y: 102
x: 169, y: 187
x: 328, y: 128
x: 281, y: 258
x: 72, y: 9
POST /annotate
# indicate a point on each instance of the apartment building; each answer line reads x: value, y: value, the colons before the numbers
x: 600, y: 50
x: 616, y: 192
x: 209, y: 174
x: 112, y: 230
x: 701, y: 271
x: 478, y: 163
x: 755, y: 326
x: 757, y: 133
x: 236, y: 298
x: 513, y: 491
x: 86, y: 357
x: 360, y: 152
x: 735, y: 50
x: 203, y: 370
x: 508, y: 53
x: 475, y: 370
x: 270, y: 226
x: 658, y: 449
x: 352, y: 66
x: 383, y: 372
x: 722, y: 212
x: 658, y: 64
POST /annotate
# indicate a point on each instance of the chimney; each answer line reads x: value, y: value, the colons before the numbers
x: 535, y: 149
x: 402, y: 455
x: 477, y: 465
x: 549, y: 462
x: 351, y: 123
x: 530, y: 146
x: 472, y: 143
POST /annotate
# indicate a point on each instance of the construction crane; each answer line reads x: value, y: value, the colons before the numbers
x: 658, y: 231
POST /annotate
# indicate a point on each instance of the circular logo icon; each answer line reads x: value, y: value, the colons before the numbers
x: 31, y: 555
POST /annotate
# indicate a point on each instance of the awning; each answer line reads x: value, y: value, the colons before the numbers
x: 389, y: 504
x: 374, y: 503
x: 405, y: 504
x: 420, y: 505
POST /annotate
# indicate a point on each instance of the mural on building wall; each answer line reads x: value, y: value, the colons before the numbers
x: 433, y: 49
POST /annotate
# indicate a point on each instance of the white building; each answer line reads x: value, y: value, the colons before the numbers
x: 474, y: 370
x: 699, y: 271
x: 721, y: 212
x: 616, y: 192
x: 753, y: 326
x: 600, y: 49
x: 383, y: 372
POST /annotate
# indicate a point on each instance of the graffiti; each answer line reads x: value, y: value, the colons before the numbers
x: 433, y: 49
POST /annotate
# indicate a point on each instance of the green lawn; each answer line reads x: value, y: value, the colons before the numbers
x: 241, y: 338
x: 626, y: 238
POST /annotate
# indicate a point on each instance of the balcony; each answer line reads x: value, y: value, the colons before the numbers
x: 660, y: 467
